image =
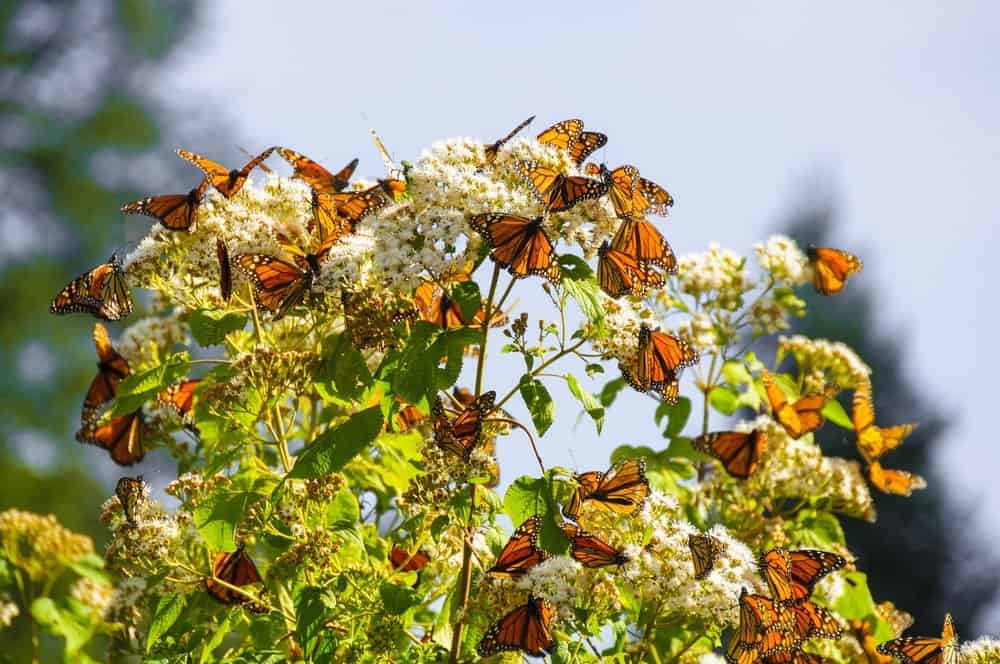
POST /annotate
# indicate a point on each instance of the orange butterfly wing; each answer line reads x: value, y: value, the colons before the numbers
x: 520, y: 245
x: 120, y: 436
x: 831, y: 268
x: 111, y: 369
x: 587, y: 484
x: 808, y: 566
x: 640, y: 239
x: 461, y: 435
x: 705, y: 550
x: 527, y: 628
x: 924, y: 649
x: 177, y: 212
x: 739, y: 452
x: 403, y: 560
x: 659, y: 200
x: 235, y: 568
x: 180, y: 396
x: 623, y: 489
x: 561, y: 134
x: 227, y: 182
x: 316, y: 176
x: 874, y: 442
x: 619, y: 274
x: 590, y: 550
x: 521, y: 552
x: 278, y: 286
x: 800, y: 418
x: 492, y: 149
x: 897, y: 482
x: 558, y: 192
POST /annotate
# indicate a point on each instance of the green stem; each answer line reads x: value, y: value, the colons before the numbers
x: 687, y: 646
x: 541, y: 367
x: 465, y: 579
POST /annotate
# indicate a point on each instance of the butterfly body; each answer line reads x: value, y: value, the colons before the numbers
x: 521, y: 552
x: 493, y: 149
x: 739, y: 452
x: 520, y: 245
x: 177, y: 212
x: 831, y: 268
x: 558, y: 192
x: 527, y: 628
x: 227, y: 182
x: 102, y: 291
x: 131, y: 491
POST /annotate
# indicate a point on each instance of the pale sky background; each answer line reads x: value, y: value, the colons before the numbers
x: 737, y: 109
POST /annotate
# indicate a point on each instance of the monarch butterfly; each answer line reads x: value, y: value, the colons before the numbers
x: 492, y: 149
x: 461, y: 435
x: 225, y: 270
x: 705, y: 550
x: 437, y: 307
x: 623, y: 189
x: 102, y: 291
x: 591, y: 551
x: 924, y: 649
x: 556, y: 191
x: 739, y: 452
x: 873, y: 441
x: 569, y: 135
x: 279, y: 285
x: 370, y: 320
x: 404, y: 561
x: 521, y: 551
x: 831, y: 268
x: 527, y: 628
x: 225, y: 181
x: 180, y: 396
x: 235, y: 568
x: 660, y: 201
x: 761, y: 633
x: 131, y: 491
x: 111, y: 369
x: 619, y: 274
x: 863, y: 633
x: 897, y: 482
x: 340, y: 213
x: 792, y: 575
x: 409, y: 417
x: 812, y: 621
x: 799, y: 418
x: 318, y: 178
x: 622, y: 489
x: 659, y: 360
x: 120, y: 436
x: 177, y: 212
x: 639, y: 239
x: 794, y: 657
x: 520, y: 245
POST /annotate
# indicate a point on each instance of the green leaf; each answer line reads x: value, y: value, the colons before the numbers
x: 210, y: 327
x: 344, y: 366
x: 414, y: 377
x: 61, y: 623
x: 578, y: 281
x: 677, y: 416
x: 311, y: 608
x: 834, y: 412
x: 466, y: 294
x: 611, y: 390
x: 397, y: 599
x: 168, y: 610
x: 723, y: 400
x: 813, y: 529
x: 528, y: 496
x: 336, y: 447
x: 539, y: 403
x: 139, y: 388
x: 855, y: 602
x: 574, y: 267
x: 343, y: 510
x: 216, y: 517
x: 590, y: 404
x: 736, y: 374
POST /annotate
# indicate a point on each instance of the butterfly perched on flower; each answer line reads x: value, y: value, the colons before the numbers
x: 798, y: 418
x: 570, y: 136
x: 227, y: 182
x: 831, y: 268
x: 792, y: 575
x: 177, y: 212
x: 338, y: 214
x: 520, y: 245
x: 812, y: 621
x: 794, y: 656
x: 461, y: 435
x: 873, y: 441
x: 632, y: 196
x: 739, y: 452
x: 660, y: 357
x: 225, y: 270
x: 102, y: 291
x: 236, y: 568
x: 180, y: 396
x: 521, y: 551
x: 558, y: 192
x: 762, y: 631
x: 639, y: 239
x: 436, y: 306
x: 121, y: 436
x: 705, y: 551
x: 590, y: 550
x: 318, y: 178
x: 131, y: 491
x: 279, y: 285
x: 620, y: 274
x: 491, y: 150
x: 896, y: 482
x: 925, y: 649
x: 111, y: 369
x: 527, y: 628
x: 622, y: 489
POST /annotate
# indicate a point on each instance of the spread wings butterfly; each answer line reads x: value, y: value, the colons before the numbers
x: 312, y: 173
x: 527, y: 628
x: 792, y: 575
x: 121, y: 436
x: 798, y: 418
x: 738, y: 451
x: 622, y: 489
x: 925, y: 649
x: 519, y: 245
x: 177, y: 212
x: 227, y: 182
x: 521, y: 552
x: 558, y: 192
x: 660, y: 357
x: 461, y: 435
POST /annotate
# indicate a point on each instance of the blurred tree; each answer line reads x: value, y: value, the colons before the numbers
x: 918, y: 552
x: 79, y: 136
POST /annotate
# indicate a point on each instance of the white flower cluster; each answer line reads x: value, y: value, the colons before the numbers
x: 95, y: 595
x: 622, y: 319
x: 8, y: 610
x: 145, y: 342
x: 557, y: 580
x: 840, y: 365
x: 984, y: 650
x: 767, y: 317
x: 783, y: 260
x: 792, y: 468
x: 720, y: 275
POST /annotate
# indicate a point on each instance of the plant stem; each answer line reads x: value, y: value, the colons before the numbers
x: 465, y: 579
x: 706, y: 389
x: 531, y: 438
x: 687, y: 646
x: 541, y: 367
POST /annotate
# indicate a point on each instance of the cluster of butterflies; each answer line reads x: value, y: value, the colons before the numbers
x: 122, y: 435
x: 740, y: 452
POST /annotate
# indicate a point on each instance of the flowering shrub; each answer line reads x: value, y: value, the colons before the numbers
x: 336, y: 495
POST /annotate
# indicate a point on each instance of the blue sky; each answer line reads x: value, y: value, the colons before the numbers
x: 740, y: 110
